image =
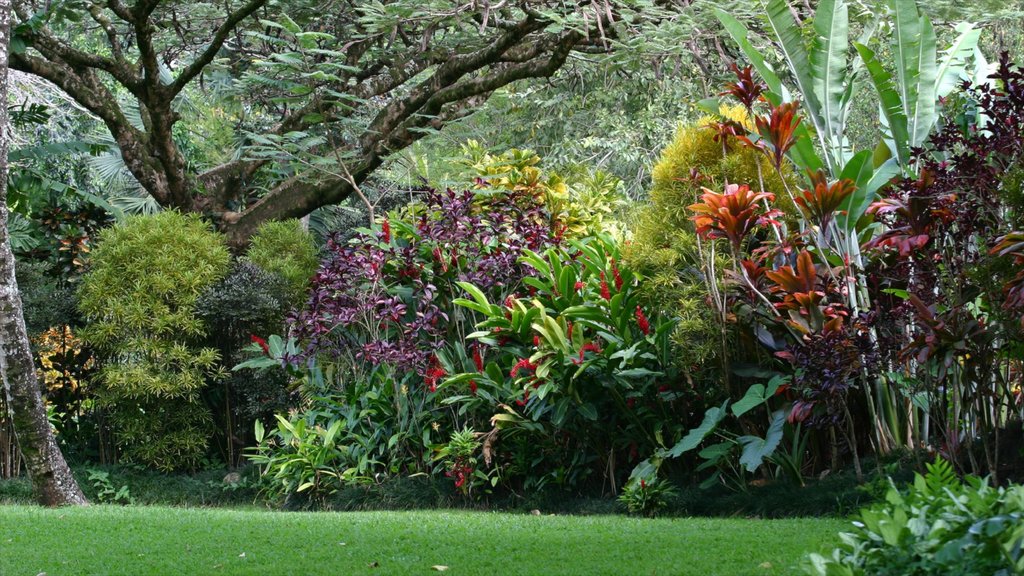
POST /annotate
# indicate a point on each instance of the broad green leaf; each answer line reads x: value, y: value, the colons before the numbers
x: 828, y: 72
x: 791, y: 41
x: 756, y: 449
x: 923, y: 115
x: 752, y: 399
x: 954, y: 63
x: 712, y: 417
x: 891, y: 104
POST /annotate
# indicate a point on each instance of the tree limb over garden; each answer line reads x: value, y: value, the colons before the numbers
x: 331, y: 82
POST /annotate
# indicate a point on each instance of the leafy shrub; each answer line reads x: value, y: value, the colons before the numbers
x: 300, y: 456
x: 139, y: 298
x: 105, y: 491
x: 575, y: 369
x: 664, y: 246
x: 939, y: 526
x: 647, y: 497
x: 287, y: 250
x: 386, y: 296
x: 248, y: 302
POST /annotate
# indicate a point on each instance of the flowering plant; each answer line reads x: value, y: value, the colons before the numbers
x: 575, y: 363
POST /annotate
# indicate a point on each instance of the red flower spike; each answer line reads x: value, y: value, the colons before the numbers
x: 588, y: 347
x: 262, y: 343
x: 478, y: 358
x: 579, y: 286
x: 605, y: 292
x: 536, y: 341
x: 385, y: 227
x: 616, y: 276
x: 642, y: 322
x: 472, y: 387
x: 523, y: 364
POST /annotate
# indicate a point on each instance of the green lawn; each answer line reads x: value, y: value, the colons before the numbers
x: 151, y: 540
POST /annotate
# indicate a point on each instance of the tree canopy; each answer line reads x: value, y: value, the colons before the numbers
x: 320, y: 93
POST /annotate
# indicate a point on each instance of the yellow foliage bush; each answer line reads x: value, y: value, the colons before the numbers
x: 664, y: 245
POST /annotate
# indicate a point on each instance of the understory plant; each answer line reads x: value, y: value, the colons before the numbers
x: 138, y: 298
x: 939, y: 525
x: 572, y: 373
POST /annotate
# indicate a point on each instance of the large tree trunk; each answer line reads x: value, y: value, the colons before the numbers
x: 51, y: 477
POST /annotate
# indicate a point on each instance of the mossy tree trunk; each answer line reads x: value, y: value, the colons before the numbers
x: 51, y: 477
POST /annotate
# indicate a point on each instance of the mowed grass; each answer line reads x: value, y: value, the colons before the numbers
x: 152, y: 540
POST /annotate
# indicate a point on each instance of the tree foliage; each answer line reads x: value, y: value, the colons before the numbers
x: 322, y: 92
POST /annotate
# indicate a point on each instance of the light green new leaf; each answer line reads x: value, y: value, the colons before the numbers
x: 890, y: 102
x: 829, y: 70
x: 955, y: 61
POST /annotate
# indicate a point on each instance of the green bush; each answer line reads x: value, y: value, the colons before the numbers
x: 939, y: 526
x: 664, y: 247
x: 139, y: 300
x: 287, y: 250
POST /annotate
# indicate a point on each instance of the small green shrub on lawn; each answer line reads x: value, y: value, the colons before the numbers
x: 939, y: 526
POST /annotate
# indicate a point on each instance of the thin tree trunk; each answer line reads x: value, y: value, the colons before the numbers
x: 51, y: 477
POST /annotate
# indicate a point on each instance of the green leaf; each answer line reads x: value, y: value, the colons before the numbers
x: 955, y: 61
x: 794, y: 52
x: 756, y: 449
x: 712, y: 417
x: 924, y: 113
x: 829, y: 70
x: 588, y: 411
x: 891, y: 104
x: 752, y: 399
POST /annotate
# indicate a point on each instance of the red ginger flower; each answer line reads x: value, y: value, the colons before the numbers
x: 478, y: 358
x: 579, y: 286
x: 386, y: 229
x: 536, y: 341
x: 588, y: 347
x: 642, y: 322
x: 523, y: 364
x: 262, y: 343
x: 616, y: 276
x: 472, y: 387
x: 605, y: 293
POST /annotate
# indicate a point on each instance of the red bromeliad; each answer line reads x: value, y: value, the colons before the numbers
x: 732, y: 215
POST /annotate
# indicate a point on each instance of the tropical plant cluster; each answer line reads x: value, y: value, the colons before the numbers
x: 807, y: 285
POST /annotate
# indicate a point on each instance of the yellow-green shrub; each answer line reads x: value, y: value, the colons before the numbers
x: 289, y: 251
x: 139, y: 298
x: 664, y: 246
